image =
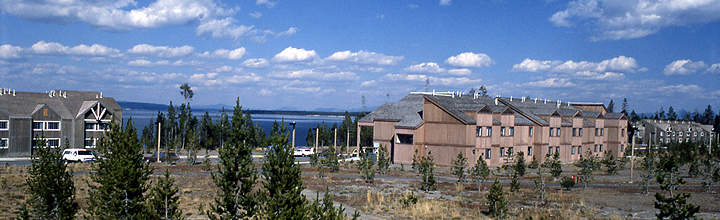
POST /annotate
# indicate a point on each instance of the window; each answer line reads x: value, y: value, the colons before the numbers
x: 558, y: 132
x: 488, y: 131
x: 602, y: 131
x: 3, y: 143
x: 90, y: 126
x: 622, y: 148
x: 580, y: 132
x: 487, y: 153
x: 404, y: 139
x: 478, y: 131
x: 37, y: 125
x: 595, y: 150
x: 53, y: 125
x: 550, y: 150
x: 552, y: 131
x: 574, y: 132
x: 91, y: 142
x: 687, y: 134
x: 597, y: 131
x: 510, y: 151
x: 680, y: 133
x: 53, y: 143
x: 502, y: 152
x: 701, y: 133
x: 661, y: 133
x: 622, y: 133
x: 579, y: 149
x: 695, y: 134
x: 512, y: 131
x: 529, y: 151
x: 502, y: 131
x: 530, y: 131
x: 573, y: 150
x: 601, y: 148
x: 3, y: 125
x: 557, y: 149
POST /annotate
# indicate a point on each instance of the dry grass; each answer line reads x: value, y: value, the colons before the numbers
x: 385, y: 197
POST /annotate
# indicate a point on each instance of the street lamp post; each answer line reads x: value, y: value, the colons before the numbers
x: 158, y: 150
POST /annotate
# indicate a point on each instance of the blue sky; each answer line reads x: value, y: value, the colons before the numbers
x: 327, y: 54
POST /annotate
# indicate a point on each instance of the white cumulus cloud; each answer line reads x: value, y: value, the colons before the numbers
x: 617, y: 64
x: 429, y: 67
x: 235, y: 54
x: 364, y: 57
x: 256, y: 63
x: 50, y: 48
x: 224, y: 28
x: 552, y: 83
x: 445, y: 2
x: 618, y: 19
x: 291, y: 54
x: 683, y: 67
x: 8, y: 51
x: 460, y: 72
x: 469, y: 59
x: 94, y: 50
x: 162, y: 51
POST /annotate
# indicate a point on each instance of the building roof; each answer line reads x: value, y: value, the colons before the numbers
x: 408, y: 111
x: 67, y: 104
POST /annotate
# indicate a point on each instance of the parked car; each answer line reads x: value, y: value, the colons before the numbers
x: 304, y: 152
x: 164, y: 156
x: 78, y: 155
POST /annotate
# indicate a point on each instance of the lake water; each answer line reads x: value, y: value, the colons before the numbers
x: 142, y: 118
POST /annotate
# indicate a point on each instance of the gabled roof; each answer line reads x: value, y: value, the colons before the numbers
x: 408, y: 111
x: 67, y: 104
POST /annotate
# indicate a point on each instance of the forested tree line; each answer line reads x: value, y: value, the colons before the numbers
x: 121, y: 187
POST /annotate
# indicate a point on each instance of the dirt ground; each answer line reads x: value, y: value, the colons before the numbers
x: 608, y: 197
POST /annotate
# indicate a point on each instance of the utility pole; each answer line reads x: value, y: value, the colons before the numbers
x: 632, y: 157
x: 317, y: 138
x: 347, y: 142
x: 335, y: 142
x: 293, y: 141
x: 158, y: 150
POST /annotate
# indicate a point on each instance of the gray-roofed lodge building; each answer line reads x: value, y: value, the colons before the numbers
x: 76, y: 116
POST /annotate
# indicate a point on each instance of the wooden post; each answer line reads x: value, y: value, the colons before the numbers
x: 317, y: 138
x: 632, y: 158
x: 335, y: 141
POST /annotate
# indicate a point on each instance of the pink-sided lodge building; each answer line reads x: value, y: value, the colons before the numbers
x: 450, y: 123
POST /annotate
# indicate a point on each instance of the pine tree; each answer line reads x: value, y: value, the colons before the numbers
x: 496, y: 201
x: 610, y: 163
x: 50, y: 186
x: 625, y: 107
x: 541, y: 184
x: 458, y: 168
x: 553, y: 163
x: 236, y: 175
x: 164, y: 198
x: 520, y: 166
x: 120, y: 177
x: 366, y: 166
x: 480, y: 172
x: 330, y: 161
x: 427, y: 171
x: 611, y: 106
x: 383, y: 159
x: 588, y: 164
x: 283, y: 185
x: 647, y: 170
x: 325, y: 209
x: 672, y: 206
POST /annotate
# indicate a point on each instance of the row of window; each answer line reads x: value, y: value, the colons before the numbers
x: 554, y: 132
x: 49, y: 142
x: 551, y: 150
x: 505, y: 153
x: 95, y: 126
x: 46, y: 125
x: 670, y: 133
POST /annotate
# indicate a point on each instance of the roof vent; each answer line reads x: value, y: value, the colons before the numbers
x: 523, y: 99
x: 559, y: 103
x: 496, y: 100
x: 536, y: 100
x: 511, y: 98
x: 545, y: 101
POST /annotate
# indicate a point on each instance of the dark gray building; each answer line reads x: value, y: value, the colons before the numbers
x: 666, y: 131
x: 77, y: 117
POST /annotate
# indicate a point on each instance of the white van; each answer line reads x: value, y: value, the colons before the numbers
x: 78, y: 155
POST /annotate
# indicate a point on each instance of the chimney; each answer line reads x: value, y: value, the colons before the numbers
x: 511, y: 98
x: 559, y: 103
x: 496, y: 100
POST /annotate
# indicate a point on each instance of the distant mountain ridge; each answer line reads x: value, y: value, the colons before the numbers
x: 217, y: 107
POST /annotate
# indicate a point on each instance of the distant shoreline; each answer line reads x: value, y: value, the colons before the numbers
x: 138, y: 106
